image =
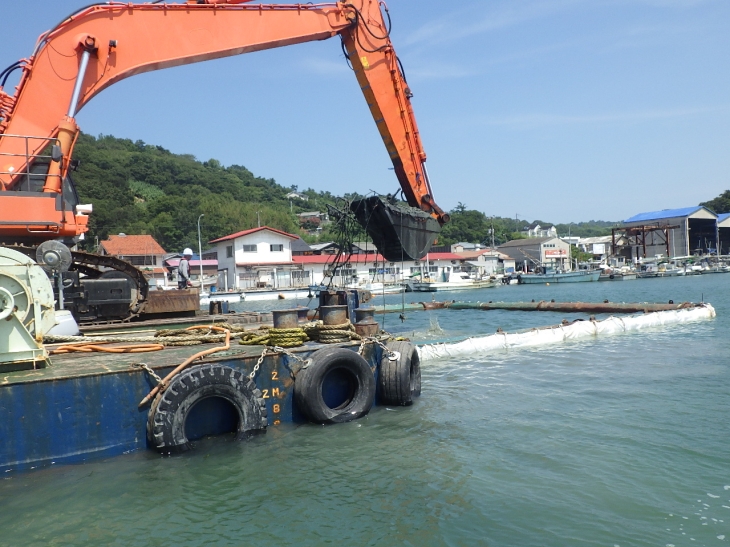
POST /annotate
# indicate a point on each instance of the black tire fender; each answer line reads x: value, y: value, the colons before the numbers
x: 399, y: 380
x: 170, y: 409
x: 310, y: 380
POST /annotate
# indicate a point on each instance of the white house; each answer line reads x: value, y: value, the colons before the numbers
x: 599, y: 247
x: 465, y: 246
x: 362, y: 268
x: 297, y: 195
x: 257, y: 258
x: 488, y: 262
x: 535, y: 230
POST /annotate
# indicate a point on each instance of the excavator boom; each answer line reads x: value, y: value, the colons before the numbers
x: 102, y: 44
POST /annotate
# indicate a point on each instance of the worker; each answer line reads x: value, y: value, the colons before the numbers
x: 183, y: 270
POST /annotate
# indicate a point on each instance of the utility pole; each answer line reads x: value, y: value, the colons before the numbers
x: 200, y: 254
x: 258, y: 216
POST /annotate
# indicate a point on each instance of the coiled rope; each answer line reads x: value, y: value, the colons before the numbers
x: 336, y: 334
x: 269, y: 336
x: 288, y: 338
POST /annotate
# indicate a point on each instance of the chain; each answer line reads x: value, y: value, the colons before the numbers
x: 148, y: 370
x: 304, y: 362
x: 258, y: 365
x: 391, y: 354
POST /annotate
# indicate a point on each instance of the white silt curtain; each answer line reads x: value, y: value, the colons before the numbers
x: 553, y: 335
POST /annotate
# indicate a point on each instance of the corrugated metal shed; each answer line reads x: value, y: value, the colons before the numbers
x: 666, y: 213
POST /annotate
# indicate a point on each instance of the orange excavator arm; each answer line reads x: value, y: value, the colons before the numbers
x: 103, y: 44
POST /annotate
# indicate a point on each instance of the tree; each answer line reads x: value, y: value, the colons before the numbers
x: 721, y: 204
x: 465, y: 225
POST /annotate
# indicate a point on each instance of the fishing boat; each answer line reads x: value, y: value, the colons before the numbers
x: 383, y: 288
x: 617, y: 276
x: 552, y: 276
x: 457, y: 281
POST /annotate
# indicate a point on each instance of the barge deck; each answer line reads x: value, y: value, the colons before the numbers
x: 86, y: 405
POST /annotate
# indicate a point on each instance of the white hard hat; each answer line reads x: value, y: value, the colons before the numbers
x: 188, y: 251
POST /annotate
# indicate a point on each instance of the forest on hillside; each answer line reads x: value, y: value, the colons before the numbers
x: 139, y: 188
x: 721, y: 204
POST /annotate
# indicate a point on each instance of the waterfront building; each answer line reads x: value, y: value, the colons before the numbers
x: 258, y: 258
x: 142, y: 251
x: 528, y: 254
x: 670, y: 232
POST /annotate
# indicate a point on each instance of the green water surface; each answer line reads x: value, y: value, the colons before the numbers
x: 623, y: 440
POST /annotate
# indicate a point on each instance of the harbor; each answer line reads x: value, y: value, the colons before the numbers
x: 539, y: 405
x: 259, y: 287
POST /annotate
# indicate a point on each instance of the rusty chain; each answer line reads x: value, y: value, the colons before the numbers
x: 391, y: 354
x: 279, y: 350
x: 148, y: 370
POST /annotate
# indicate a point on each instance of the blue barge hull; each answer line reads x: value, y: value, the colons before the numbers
x: 86, y: 405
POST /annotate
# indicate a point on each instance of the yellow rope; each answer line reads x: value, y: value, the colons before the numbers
x: 286, y: 338
x: 337, y: 334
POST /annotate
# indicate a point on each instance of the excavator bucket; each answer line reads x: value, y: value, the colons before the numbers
x: 399, y: 232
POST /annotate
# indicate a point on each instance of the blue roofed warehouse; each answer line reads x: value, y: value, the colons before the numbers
x: 672, y: 232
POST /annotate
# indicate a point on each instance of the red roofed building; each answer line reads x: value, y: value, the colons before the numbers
x: 139, y: 250
x: 258, y: 258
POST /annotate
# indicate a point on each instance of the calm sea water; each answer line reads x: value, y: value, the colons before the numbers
x: 621, y: 441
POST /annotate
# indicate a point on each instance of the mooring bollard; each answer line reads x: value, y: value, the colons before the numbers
x: 286, y: 319
x: 333, y: 315
x: 365, y: 324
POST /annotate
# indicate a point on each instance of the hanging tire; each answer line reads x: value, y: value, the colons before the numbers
x: 337, y: 386
x: 399, y: 381
x: 166, y: 422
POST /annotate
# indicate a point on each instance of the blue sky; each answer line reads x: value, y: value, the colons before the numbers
x: 562, y: 110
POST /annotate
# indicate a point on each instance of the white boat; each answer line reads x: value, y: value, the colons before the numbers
x: 663, y: 269
x: 230, y: 297
x: 560, y: 277
x: 258, y: 295
x: 620, y: 275
x: 254, y: 295
x: 382, y: 288
x: 458, y: 281
x: 617, y: 274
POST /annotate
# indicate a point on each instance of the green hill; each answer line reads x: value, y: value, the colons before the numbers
x: 138, y: 188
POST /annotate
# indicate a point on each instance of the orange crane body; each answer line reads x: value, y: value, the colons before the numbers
x: 103, y: 44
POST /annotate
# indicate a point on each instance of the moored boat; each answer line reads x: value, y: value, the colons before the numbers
x: 254, y: 295
x: 458, y: 281
x: 560, y: 277
x: 617, y: 276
